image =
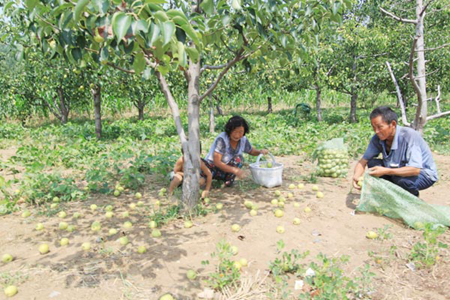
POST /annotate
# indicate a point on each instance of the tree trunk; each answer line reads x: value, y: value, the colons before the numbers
x: 422, y: 109
x: 212, y: 124
x: 192, y: 149
x: 353, y: 118
x: 96, y: 94
x: 63, y: 107
x: 140, y: 107
x: 269, y: 105
x: 318, y: 101
x: 219, y: 109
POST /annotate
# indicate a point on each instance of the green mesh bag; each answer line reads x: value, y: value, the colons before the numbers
x: 388, y: 199
x: 332, y: 158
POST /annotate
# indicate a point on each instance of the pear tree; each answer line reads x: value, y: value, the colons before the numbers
x: 159, y: 38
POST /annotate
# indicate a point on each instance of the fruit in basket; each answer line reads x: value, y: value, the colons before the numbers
x: 269, y: 164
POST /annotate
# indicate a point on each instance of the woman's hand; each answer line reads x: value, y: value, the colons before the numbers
x: 239, y: 173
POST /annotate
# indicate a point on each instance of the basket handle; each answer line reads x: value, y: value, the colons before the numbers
x: 261, y: 155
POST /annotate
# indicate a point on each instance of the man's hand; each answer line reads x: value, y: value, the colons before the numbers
x: 264, y: 151
x: 378, y: 171
x: 355, y: 182
x: 205, y: 194
x: 239, y: 173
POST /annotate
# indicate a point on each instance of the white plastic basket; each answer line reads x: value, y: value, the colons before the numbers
x: 268, y: 177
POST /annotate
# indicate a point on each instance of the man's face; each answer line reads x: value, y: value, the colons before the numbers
x: 237, y: 133
x: 382, y: 129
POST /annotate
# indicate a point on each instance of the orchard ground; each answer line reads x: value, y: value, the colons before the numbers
x: 112, y: 271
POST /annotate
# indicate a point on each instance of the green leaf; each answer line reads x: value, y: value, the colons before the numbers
x: 161, y: 16
x: 283, y: 41
x: 121, y: 23
x: 193, y: 53
x: 180, y: 21
x: 78, y: 10
x: 31, y: 4
x: 236, y: 4
x: 153, y: 34
x: 164, y: 70
x: 139, y: 63
x: 167, y: 31
x: 191, y: 33
x: 172, y: 13
x: 208, y: 7
x: 155, y: 1
x: 139, y: 26
x: 182, y: 58
x: 226, y: 20
x: 101, y: 6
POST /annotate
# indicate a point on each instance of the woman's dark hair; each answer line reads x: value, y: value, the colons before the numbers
x: 386, y: 113
x: 235, y: 122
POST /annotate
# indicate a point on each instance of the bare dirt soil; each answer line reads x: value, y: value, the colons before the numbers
x: 112, y: 271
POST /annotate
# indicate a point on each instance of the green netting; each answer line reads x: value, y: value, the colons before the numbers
x: 333, y: 158
x: 388, y: 199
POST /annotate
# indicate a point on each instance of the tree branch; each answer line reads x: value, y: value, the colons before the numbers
x: 411, y: 70
x: 443, y: 114
x: 425, y: 8
x: 438, y: 99
x: 231, y: 63
x: 120, y: 68
x: 173, y: 106
x: 398, y: 18
x: 212, y: 67
x: 431, y: 49
x: 399, y: 96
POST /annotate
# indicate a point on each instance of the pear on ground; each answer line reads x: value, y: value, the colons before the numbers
x: 10, y: 291
x: 279, y: 213
x: 235, y: 228
x: 44, y: 249
x: 7, y: 258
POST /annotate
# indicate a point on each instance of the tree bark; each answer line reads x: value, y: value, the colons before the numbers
x: 318, y: 101
x: 212, y: 124
x: 63, y: 106
x: 192, y: 147
x: 141, y: 113
x: 269, y: 105
x: 422, y: 110
x: 96, y: 95
x: 219, y: 109
x: 353, y: 118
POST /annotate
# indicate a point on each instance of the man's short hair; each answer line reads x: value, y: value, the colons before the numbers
x: 235, y: 122
x: 386, y: 113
